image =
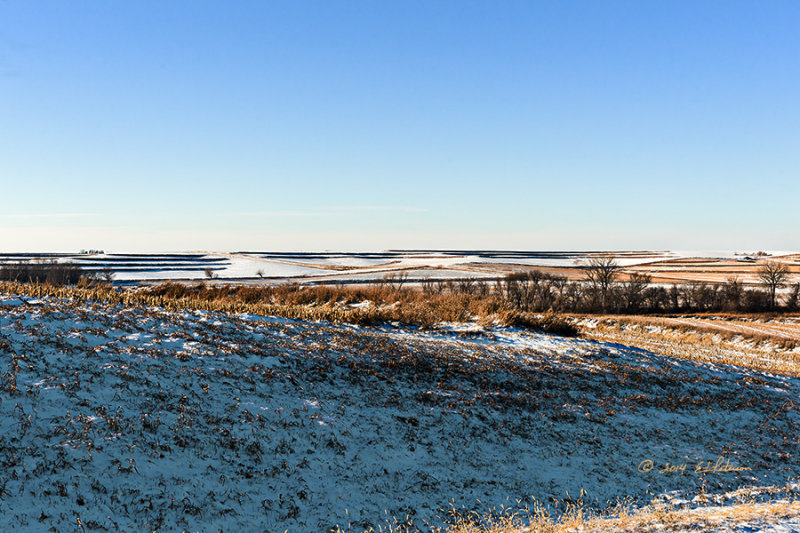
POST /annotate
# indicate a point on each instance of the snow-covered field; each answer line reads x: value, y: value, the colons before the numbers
x: 311, y: 267
x: 127, y: 419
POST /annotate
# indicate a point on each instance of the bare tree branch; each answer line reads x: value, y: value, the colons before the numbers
x: 773, y: 275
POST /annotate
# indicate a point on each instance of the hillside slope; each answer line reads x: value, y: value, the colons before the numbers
x: 134, y: 418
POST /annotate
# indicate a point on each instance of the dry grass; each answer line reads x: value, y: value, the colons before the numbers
x: 331, y: 303
x: 760, y: 342
x: 657, y: 517
x: 782, y: 331
x: 623, y: 518
x: 703, y: 519
x: 651, y: 519
x: 751, y: 344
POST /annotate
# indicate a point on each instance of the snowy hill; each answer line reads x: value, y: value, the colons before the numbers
x: 140, y: 419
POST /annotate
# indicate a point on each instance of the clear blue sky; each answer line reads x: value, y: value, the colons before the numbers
x: 291, y: 125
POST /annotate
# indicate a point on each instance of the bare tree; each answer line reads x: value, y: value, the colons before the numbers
x: 107, y: 275
x: 601, y: 272
x: 634, y: 290
x: 209, y: 272
x: 427, y: 285
x: 396, y: 280
x: 773, y: 275
x: 732, y: 293
x: 793, y: 302
x: 466, y: 285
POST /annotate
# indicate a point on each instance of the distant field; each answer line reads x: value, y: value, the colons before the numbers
x: 712, y: 270
x: 417, y: 265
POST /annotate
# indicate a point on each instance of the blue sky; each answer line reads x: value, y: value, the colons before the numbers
x: 417, y: 124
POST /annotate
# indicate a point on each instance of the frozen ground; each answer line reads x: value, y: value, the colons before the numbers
x: 130, y: 419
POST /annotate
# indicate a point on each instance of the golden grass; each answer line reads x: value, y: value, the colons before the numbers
x: 652, y: 519
x: 656, y: 517
x: 700, y: 341
x: 779, y: 330
x: 145, y: 298
x: 410, y: 306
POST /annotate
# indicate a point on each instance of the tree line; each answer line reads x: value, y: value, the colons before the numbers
x: 53, y: 273
x: 604, y: 289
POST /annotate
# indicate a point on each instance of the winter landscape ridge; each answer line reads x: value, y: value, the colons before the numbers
x: 125, y: 408
x: 665, y: 266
